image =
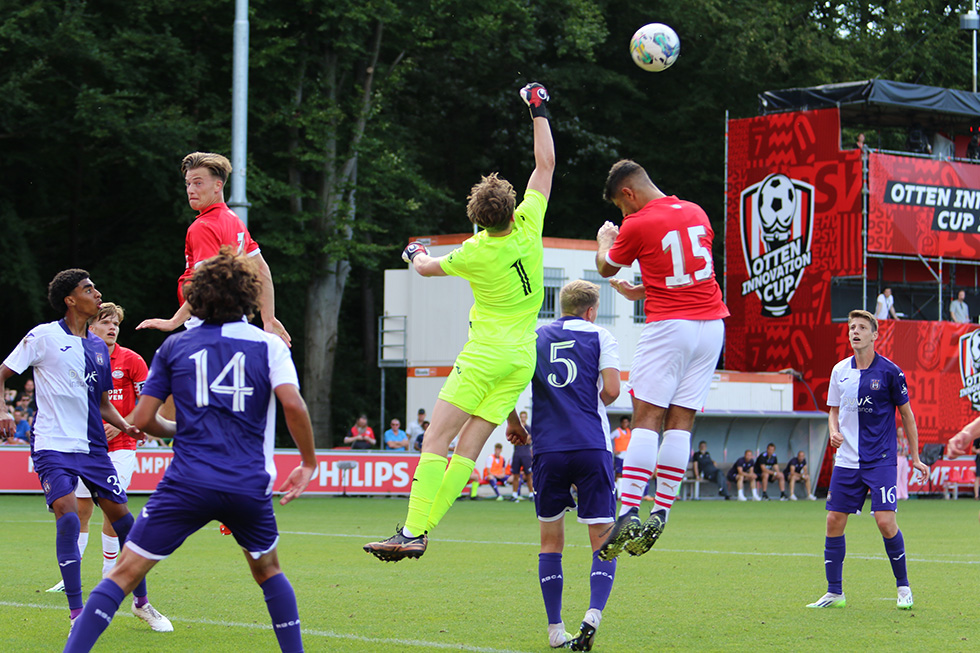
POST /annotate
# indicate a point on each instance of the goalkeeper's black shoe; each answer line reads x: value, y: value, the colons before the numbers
x: 626, y: 528
x: 649, y: 534
x: 398, y: 546
x: 583, y: 639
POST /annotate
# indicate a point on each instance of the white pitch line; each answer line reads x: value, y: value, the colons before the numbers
x: 306, y: 631
x: 850, y: 556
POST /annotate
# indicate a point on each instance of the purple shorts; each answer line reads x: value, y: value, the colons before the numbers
x: 849, y: 488
x: 589, y: 470
x: 59, y: 472
x: 174, y: 512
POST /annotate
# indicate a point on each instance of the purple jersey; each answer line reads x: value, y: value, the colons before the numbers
x: 568, y: 412
x: 222, y: 377
x: 867, y: 400
x: 70, y: 375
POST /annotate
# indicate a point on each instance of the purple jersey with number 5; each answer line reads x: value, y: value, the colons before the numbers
x: 222, y: 377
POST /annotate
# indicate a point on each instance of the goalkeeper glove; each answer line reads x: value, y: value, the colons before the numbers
x: 536, y: 97
x: 413, y: 250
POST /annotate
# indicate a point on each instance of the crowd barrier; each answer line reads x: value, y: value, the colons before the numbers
x: 337, y: 472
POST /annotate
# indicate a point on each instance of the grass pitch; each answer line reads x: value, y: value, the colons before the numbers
x: 725, y: 576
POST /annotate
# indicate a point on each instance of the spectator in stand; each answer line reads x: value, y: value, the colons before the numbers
x: 902, y: 487
x: 706, y: 470
x: 23, y: 432
x: 415, y: 431
x: 24, y: 403
x: 973, y: 147
x: 958, y: 310
x: 520, y: 463
x: 361, y: 435
x: 885, y: 306
x: 495, y: 470
x: 417, y: 443
x: 860, y: 144
x: 741, y: 471
x: 394, y: 438
x: 767, y: 467
x: 10, y: 396
x: 798, y: 470
x: 621, y: 440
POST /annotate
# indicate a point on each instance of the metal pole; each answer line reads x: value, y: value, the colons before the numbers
x: 865, y: 191
x: 381, y: 425
x: 239, y: 112
x: 724, y: 206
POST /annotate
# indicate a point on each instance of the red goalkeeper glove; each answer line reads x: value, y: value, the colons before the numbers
x: 413, y: 250
x: 536, y: 97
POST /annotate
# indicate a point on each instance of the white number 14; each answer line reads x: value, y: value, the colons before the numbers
x: 238, y: 390
x: 672, y: 243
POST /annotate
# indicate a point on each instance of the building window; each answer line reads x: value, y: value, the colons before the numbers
x: 607, y: 299
x: 639, y: 316
x: 554, y: 279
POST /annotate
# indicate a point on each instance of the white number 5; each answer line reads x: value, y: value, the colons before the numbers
x: 567, y: 362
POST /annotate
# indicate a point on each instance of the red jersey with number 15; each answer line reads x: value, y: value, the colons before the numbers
x: 128, y: 374
x: 215, y: 226
x: 671, y: 239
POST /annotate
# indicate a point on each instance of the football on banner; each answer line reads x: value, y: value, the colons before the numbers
x: 655, y: 47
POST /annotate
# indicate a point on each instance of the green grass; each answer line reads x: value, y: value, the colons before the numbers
x: 724, y: 577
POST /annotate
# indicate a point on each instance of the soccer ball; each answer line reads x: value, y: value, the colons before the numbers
x: 777, y: 207
x: 655, y: 47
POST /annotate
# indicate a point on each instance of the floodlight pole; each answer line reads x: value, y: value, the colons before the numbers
x: 239, y: 112
x: 971, y: 21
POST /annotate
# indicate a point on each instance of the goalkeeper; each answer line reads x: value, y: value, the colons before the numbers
x: 504, y: 266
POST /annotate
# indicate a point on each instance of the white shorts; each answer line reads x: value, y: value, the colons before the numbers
x: 124, y: 460
x: 675, y: 360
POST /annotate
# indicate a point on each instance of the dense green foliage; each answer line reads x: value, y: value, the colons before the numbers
x: 348, y: 155
x: 724, y: 577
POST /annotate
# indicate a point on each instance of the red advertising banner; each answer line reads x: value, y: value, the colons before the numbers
x: 337, y: 472
x: 924, y: 206
x: 794, y: 226
x: 939, y: 473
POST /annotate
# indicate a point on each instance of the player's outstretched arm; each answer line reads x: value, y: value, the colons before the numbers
x: 418, y: 257
x: 112, y: 416
x: 961, y: 443
x: 536, y: 97
x: 912, y: 433
x: 301, y: 430
x: 182, y: 315
x: 8, y: 427
x: 631, y: 291
x: 146, y: 418
x: 267, y: 303
x: 516, y: 433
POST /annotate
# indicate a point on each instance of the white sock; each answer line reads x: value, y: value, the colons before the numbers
x: 592, y: 617
x: 82, y: 543
x: 675, y: 450
x: 638, y: 466
x: 406, y: 532
x: 110, y: 551
x: 556, y: 634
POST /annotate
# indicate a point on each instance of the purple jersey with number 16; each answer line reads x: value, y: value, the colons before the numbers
x: 222, y: 377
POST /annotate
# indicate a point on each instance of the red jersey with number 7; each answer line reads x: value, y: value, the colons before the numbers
x: 215, y: 226
x: 671, y: 239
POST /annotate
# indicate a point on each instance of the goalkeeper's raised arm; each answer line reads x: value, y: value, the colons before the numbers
x: 536, y: 96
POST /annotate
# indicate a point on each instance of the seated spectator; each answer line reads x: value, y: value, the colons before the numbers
x: 741, y: 471
x: 394, y: 438
x: 24, y: 403
x: 361, y: 435
x: 415, y: 430
x: 10, y: 396
x: 797, y: 470
x: 495, y: 470
x: 417, y: 444
x: 23, y: 432
x: 767, y: 467
x: 705, y: 469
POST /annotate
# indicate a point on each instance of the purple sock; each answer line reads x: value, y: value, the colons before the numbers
x: 601, y: 581
x: 122, y: 526
x: 280, y: 600
x: 895, y: 548
x: 66, y: 547
x: 549, y: 573
x: 101, y: 606
x: 833, y: 554
x: 493, y: 485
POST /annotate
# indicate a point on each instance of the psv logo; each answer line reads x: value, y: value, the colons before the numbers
x: 969, y: 350
x: 776, y: 226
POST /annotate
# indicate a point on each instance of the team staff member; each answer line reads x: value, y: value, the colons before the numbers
x: 504, y: 265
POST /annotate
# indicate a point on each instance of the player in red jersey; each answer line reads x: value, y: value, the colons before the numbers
x: 678, y: 350
x: 205, y: 174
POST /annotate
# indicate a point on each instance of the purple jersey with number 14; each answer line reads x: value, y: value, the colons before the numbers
x: 222, y: 377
